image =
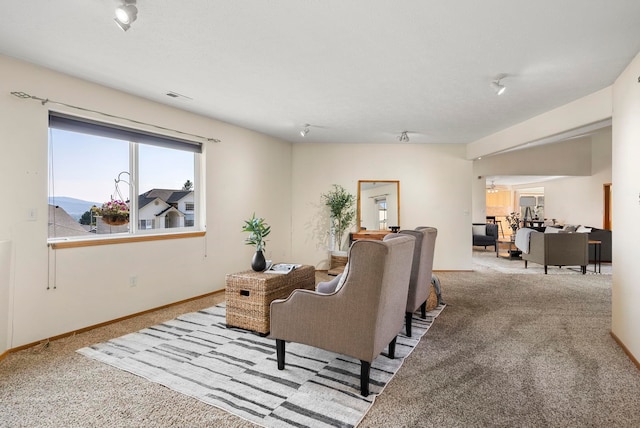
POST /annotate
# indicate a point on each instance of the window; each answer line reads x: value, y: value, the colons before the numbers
x: 91, y: 163
x: 381, y: 205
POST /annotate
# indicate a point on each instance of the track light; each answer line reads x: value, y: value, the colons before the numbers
x: 126, y: 14
x: 404, y: 137
x: 497, y: 85
x: 305, y: 131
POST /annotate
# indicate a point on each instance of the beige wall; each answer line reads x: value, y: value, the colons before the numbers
x: 585, y: 111
x: 246, y: 172
x: 572, y: 200
x: 580, y: 200
x: 622, y: 101
x: 626, y: 208
x: 53, y: 292
x: 434, y: 191
x: 5, y: 283
x: 575, y: 157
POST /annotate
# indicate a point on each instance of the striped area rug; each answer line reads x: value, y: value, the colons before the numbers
x: 235, y: 370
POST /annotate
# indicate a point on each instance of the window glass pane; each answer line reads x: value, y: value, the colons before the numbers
x: 91, y: 164
x: 83, y: 170
x: 166, y: 178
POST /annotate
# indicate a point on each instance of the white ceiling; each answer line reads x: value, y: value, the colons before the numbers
x: 359, y: 71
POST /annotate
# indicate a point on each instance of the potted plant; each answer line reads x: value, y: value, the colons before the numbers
x: 258, y: 230
x: 114, y: 212
x: 341, y: 207
x: 514, y: 223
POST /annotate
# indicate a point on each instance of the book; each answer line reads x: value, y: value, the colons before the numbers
x: 282, y: 268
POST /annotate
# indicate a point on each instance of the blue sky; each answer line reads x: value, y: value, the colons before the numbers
x: 85, y: 167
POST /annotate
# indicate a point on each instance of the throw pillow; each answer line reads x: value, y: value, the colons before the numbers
x: 479, y: 229
x: 569, y: 228
x: 582, y: 229
x: 551, y: 229
x: 343, y: 277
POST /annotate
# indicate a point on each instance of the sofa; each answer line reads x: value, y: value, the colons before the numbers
x: 484, y: 235
x: 557, y: 249
x: 595, y: 234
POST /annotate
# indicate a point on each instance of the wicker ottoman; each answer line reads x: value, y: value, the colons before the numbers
x: 249, y: 295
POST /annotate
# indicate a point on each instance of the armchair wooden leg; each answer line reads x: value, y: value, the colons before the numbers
x: 365, y: 369
x: 280, y: 353
x: 423, y: 310
x: 392, y: 348
x: 525, y: 263
x: 545, y: 269
x: 407, y: 321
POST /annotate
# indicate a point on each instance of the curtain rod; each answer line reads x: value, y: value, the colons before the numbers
x: 44, y: 101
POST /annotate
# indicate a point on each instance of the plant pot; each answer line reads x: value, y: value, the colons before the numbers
x: 338, y: 261
x: 258, y: 262
x: 115, y: 220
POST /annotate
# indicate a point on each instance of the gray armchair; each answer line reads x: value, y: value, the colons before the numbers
x: 421, y: 272
x: 558, y: 249
x: 485, y: 235
x: 359, y: 319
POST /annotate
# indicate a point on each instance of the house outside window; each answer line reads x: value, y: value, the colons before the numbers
x: 91, y: 163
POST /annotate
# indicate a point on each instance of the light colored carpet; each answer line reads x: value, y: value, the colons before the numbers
x: 236, y: 370
x: 510, y: 350
x: 487, y: 260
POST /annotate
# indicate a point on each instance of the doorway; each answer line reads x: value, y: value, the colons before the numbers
x: 607, y: 221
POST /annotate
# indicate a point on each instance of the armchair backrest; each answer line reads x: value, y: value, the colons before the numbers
x: 422, y: 267
x: 489, y: 229
x: 558, y: 248
x: 364, y: 315
x: 567, y: 248
x: 492, y: 230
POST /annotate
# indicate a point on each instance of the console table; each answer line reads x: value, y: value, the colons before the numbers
x: 249, y: 295
x: 369, y: 234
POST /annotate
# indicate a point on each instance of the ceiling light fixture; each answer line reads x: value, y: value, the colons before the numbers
x: 305, y: 131
x: 492, y: 188
x: 126, y: 13
x: 497, y: 84
x: 404, y: 137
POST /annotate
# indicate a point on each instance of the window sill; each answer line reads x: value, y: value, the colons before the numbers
x: 123, y: 240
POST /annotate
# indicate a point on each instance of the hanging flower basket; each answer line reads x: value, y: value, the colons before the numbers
x: 114, y: 212
x: 116, y: 219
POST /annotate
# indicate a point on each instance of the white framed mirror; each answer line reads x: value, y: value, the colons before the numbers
x: 378, y: 205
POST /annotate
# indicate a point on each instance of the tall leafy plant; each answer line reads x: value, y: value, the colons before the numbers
x: 258, y: 230
x: 341, y: 207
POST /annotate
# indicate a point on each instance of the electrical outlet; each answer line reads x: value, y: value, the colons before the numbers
x: 133, y: 281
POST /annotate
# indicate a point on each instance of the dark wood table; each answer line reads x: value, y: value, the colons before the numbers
x: 597, y: 252
x: 512, y: 250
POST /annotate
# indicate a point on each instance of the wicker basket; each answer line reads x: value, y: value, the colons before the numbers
x: 337, y: 264
x: 249, y: 295
x: 115, y: 220
x: 432, y: 300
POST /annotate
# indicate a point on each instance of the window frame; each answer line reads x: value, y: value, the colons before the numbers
x: 135, y: 137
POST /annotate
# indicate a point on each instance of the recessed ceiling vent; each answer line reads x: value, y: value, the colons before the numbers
x: 177, y: 95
